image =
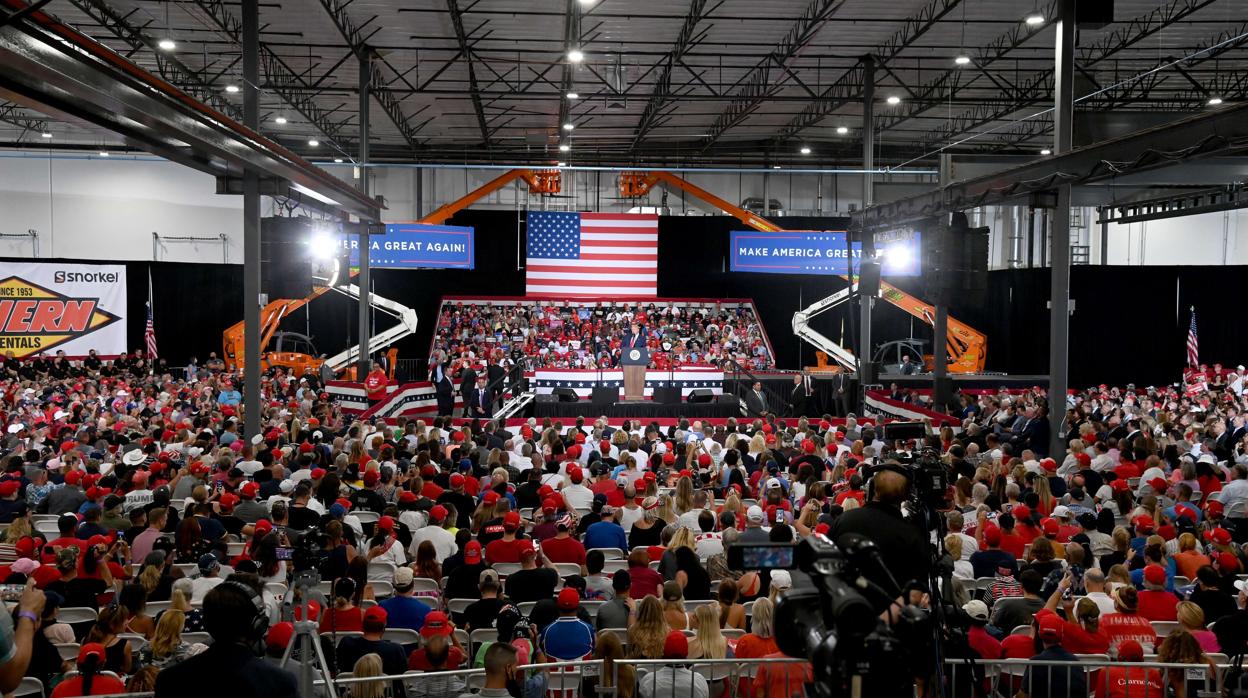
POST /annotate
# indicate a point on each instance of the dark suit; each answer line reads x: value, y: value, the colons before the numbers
x: 1035, y: 435
x: 479, y: 397
x: 756, y: 403
x: 633, y: 341
x: 440, y: 376
x: 799, y: 400
x: 840, y: 392
x: 467, y: 384
x: 494, y: 379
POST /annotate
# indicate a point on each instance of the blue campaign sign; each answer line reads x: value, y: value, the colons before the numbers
x: 417, y: 246
x: 825, y: 253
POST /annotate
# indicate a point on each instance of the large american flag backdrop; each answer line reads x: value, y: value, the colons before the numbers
x: 592, y: 254
x: 583, y: 382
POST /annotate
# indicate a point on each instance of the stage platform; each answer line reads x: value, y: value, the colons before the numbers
x: 641, y: 409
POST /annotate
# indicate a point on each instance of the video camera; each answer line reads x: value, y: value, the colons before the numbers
x: 834, y: 608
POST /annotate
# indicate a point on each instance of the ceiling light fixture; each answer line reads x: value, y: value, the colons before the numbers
x: 842, y: 130
x: 564, y: 147
x: 805, y: 150
x: 338, y: 160
x: 103, y: 153
x: 569, y: 126
x: 280, y: 120
x: 1034, y: 19
x: 166, y: 45
x: 1215, y: 101
x: 561, y: 164
x: 893, y: 100
x: 775, y: 167
x: 45, y: 134
x: 576, y: 55
x: 1046, y: 151
x: 962, y: 60
x: 313, y: 142
x: 232, y: 89
x: 573, y: 95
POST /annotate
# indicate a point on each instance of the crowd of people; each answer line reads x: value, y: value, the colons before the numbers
x: 589, y: 335
x: 124, y: 488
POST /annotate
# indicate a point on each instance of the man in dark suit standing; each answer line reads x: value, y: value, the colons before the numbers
x: 799, y: 399
x: 467, y: 381
x: 494, y: 378
x: 440, y: 376
x: 478, y: 400
x: 756, y: 401
x: 633, y: 339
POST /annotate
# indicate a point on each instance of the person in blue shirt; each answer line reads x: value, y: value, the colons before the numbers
x: 606, y: 533
x: 568, y: 638
x: 403, y: 609
x: 230, y: 396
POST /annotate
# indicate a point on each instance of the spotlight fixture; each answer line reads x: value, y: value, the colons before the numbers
x: 1215, y: 101
x: 569, y: 126
x: 166, y: 45
x: 564, y: 147
x: 280, y: 120
x: 313, y: 142
x: 805, y: 150
x: 962, y: 60
x: 232, y: 89
x: 45, y: 134
x: 576, y: 55
x: 1034, y: 19
x: 1046, y: 151
x: 842, y: 130
x: 573, y: 95
x: 893, y: 100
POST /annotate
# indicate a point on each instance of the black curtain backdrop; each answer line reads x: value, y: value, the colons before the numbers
x: 1125, y: 327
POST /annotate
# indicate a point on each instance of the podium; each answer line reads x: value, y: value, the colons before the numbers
x: 634, y: 362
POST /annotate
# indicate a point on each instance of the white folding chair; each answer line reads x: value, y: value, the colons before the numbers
x: 567, y: 569
x: 459, y: 605
x: 464, y: 641
x: 505, y: 568
x: 189, y: 569
x: 403, y: 636
x: 733, y: 633
x: 591, y: 607
x: 526, y: 607
x: 425, y: 585
x: 197, y: 637
x: 366, y: 517
x: 569, y: 680
x: 613, y: 566
x: 234, y: 549
x: 77, y: 614
x: 476, y: 682
x: 609, y: 553
x: 30, y: 686
x: 480, y: 637
x: 1163, y: 628
x: 136, y: 640
x: 277, y: 589
x: 749, y: 608
x: 154, y: 607
x: 68, y: 650
x: 383, y: 590
x: 381, y: 570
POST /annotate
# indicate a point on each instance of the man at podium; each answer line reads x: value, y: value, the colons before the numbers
x: 634, y: 358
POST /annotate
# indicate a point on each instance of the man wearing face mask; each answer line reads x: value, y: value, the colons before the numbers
x: 502, y: 679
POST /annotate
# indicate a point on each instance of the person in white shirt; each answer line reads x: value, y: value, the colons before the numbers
x: 631, y: 511
x: 708, y: 542
x: 521, y: 459
x: 576, y: 495
x: 390, y: 550
x: 140, y: 496
x: 209, y: 577
x: 1094, y: 583
x: 441, y: 538
x: 689, y: 519
x: 674, y: 680
x: 1234, y: 495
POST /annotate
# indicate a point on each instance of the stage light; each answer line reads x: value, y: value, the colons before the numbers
x: 573, y: 95
x: 166, y: 45
x: 564, y: 147
x: 1034, y: 19
x: 962, y: 60
x: 893, y: 100
x: 281, y: 120
x: 1215, y: 101
x: 569, y: 126
x: 314, y: 143
x: 805, y: 150
x: 842, y: 130
x: 322, y: 245
x: 232, y: 89
x: 897, y: 257
x: 576, y: 55
x: 1046, y: 151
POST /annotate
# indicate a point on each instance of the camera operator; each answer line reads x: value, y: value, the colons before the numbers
x: 904, y: 547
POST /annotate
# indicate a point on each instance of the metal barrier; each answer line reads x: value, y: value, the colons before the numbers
x: 723, y: 677
x: 1043, y: 678
x: 561, y: 676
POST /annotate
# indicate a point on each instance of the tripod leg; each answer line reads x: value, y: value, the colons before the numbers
x: 331, y: 690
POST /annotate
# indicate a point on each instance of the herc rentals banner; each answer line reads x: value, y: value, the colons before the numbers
x: 69, y: 307
x: 796, y: 252
x: 416, y: 246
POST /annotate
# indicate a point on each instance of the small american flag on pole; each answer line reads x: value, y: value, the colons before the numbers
x: 149, y: 333
x: 592, y: 254
x: 1193, y: 345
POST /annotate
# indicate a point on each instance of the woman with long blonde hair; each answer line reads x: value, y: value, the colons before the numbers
x: 667, y: 509
x: 366, y: 666
x: 1047, y: 502
x: 167, y: 647
x: 708, y: 641
x: 17, y: 530
x: 647, y: 634
x: 684, y: 495
x: 608, y: 648
x: 758, y: 445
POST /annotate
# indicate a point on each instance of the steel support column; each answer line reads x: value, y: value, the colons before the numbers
x: 940, y: 324
x: 365, y: 281
x: 1059, y: 328
x: 251, y: 225
x: 1104, y: 238
x: 866, y: 369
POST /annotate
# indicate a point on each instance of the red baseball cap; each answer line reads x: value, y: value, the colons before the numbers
x: 1130, y: 651
x: 472, y: 552
x: 437, y: 513
x: 676, y: 646
x: 264, y: 525
x: 1227, y: 562
x: 457, y: 480
x: 318, y: 473
x: 1157, y: 484
x: 280, y: 634
x: 436, y: 623
x: 569, y: 599
x: 808, y: 446
x: 1049, y: 464
x: 1143, y: 523
x: 992, y: 535
x: 406, y: 497
x: 228, y: 501
x: 548, y: 506
x: 385, y: 523
x: 576, y: 475
x: 1120, y: 485
x: 1214, y: 507
x: 375, y: 614
x: 704, y: 460
x: 511, y: 521
x: 1049, y: 526
x: 1155, y: 574
x: 250, y: 490
x: 669, y: 458
x: 490, y: 497
x: 1219, y: 535
x: 371, y: 477
x: 1051, y: 626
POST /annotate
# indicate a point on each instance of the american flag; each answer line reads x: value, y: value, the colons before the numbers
x: 592, y: 254
x: 1193, y: 346
x: 149, y: 333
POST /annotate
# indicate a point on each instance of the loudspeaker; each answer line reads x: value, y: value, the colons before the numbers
x: 286, y: 278
x: 869, y: 278
x: 544, y: 398
x: 701, y: 395
x: 604, y: 396
x: 667, y: 396
x: 565, y: 395
x: 727, y: 399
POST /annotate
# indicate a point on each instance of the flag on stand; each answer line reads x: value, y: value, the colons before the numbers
x: 592, y: 254
x: 149, y: 333
x: 1193, y: 346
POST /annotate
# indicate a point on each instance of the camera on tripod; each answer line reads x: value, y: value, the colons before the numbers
x: 831, y: 616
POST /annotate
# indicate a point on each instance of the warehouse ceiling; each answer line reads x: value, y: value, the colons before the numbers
x: 675, y: 82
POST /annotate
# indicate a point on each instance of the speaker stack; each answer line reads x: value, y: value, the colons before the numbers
x: 955, y: 258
